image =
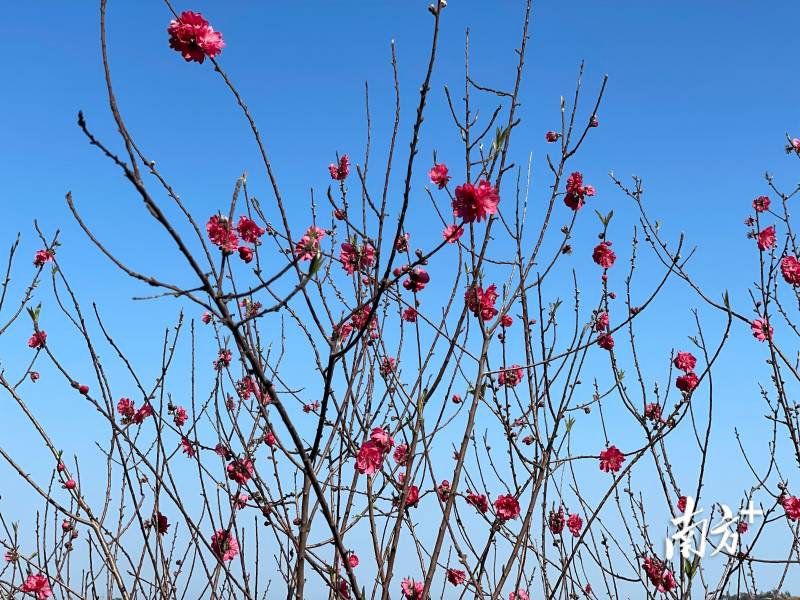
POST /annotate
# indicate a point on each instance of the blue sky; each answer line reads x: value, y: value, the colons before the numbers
x: 699, y: 99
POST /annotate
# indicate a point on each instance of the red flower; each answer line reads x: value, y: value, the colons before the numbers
x: 180, y: 416
x: 790, y: 267
x: 162, y: 524
x: 412, y: 590
x: 574, y: 524
x: 410, y: 315
x: 248, y: 230
x: 369, y: 458
x: 438, y: 175
x: 742, y: 527
x: 761, y: 203
x: 555, y: 521
x: 388, y: 366
x: 576, y: 194
x: 603, y: 255
x: 224, y: 545
x: 552, y: 136
x: 42, y: 257
x: 682, y: 503
x: 356, y: 258
x: 510, y: 376
x: 37, y: 585
x: 246, y: 254
x: 126, y: 409
x: 37, y: 340
x: 762, y: 330
x: 658, y: 574
x: 412, y: 498
x: 687, y: 383
x: 451, y: 233
x: 791, y: 505
x: 223, y: 359
x: 70, y: 484
x: 380, y: 436
x: 187, y: 447
x: 611, y: 459
x: 475, y: 203
x: 594, y: 121
x: 766, y: 238
x: 685, y: 361
x: 270, y: 439
x: 308, y: 246
x: 443, y: 490
x: 401, y: 454
x: 652, y: 411
x: 456, y: 576
x: 417, y: 279
x: 605, y: 341
x: 342, y: 170
x: 353, y: 560
x: 221, y: 234
x: 240, y: 470
x: 83, y: 389
x: 506, y: 507
x: 506, y: 321
x: 601, y: 322
x: 192, y: 36
x: 479, y: 501
x: 482, y: 303
x: 401, y: 243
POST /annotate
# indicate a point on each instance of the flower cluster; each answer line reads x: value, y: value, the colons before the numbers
x: 127, y: 410
x: 686, y: 362
x: 240, y: 470
x: 576, y: 194
x: 658, y: 574
x: 372, y: 452
x: 339, y: 171
x: 481, y: 302
x: 356, y: 257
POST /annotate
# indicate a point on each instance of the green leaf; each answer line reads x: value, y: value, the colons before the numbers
x: 34, y: 312
x: 690, y: 567
x: 316, y: 263
x: 570, y: 423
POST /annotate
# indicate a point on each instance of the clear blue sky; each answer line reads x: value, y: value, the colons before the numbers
x: 699, y: 98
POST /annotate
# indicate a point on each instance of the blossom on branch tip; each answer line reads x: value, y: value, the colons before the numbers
x: 438, y: 175
x: 340, y: 171
x: 192, y: 36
